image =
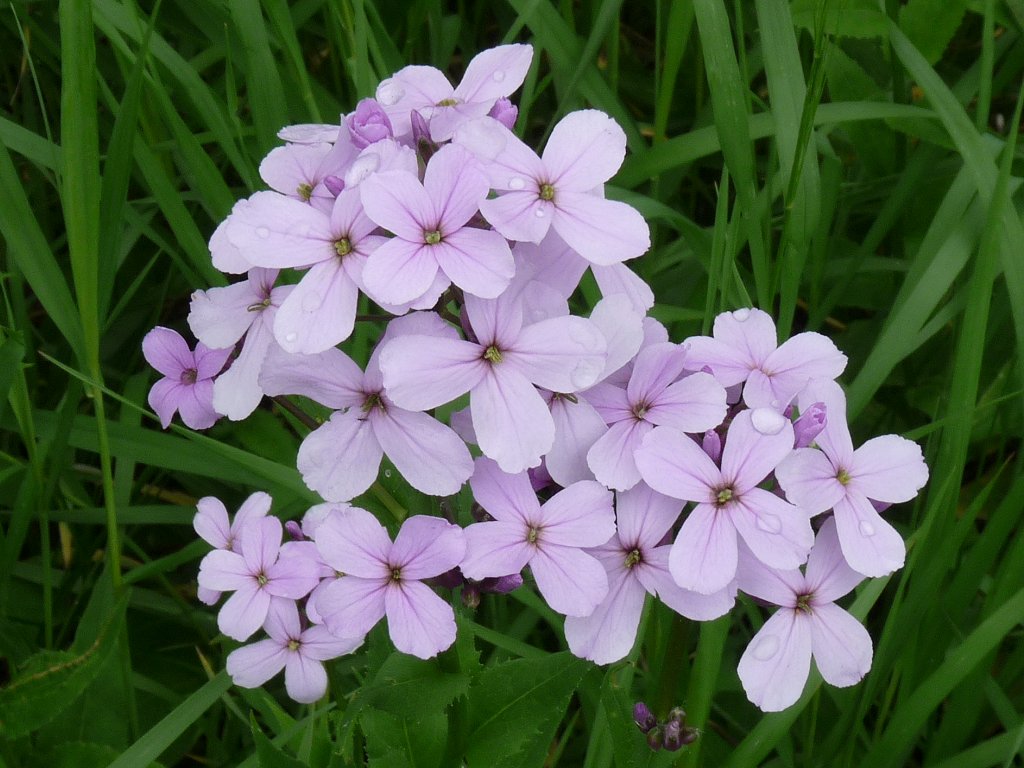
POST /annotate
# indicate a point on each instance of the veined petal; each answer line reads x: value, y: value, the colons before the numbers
x: 330, y: 377
x: 512, y: 423
x: 577, y: 427
x: 889, y: 469
x: 870, y: 545
x: 803, y: 357
x: 477, y: 260
x: 756, y: 443
x: 829, y: 577
x: 586, y: 148
x: 211, y: 522
x: 579, y: 516
x: 397, y: 201
x: 168, y: 352
x: 695, y: 404
x: 219, y: 317
x: 277, y: 231
x: 703, y: 557
x: 809, y: 480
x: 426, y: 547
x: 562, y: 354
x: 779, y: 586
x: 495, y: 548
x: 196, y: 405
x: 419, y: 622
x: 426, y: 452
x: 571, y: 581
x: 675, y: 465
x: 779, y: 534
x: 495, y: 72
x: 775, y: 665
x: 244, y: 612
x: 612, y: 457
x: 504, y: 496
x: 354, y: 542
x: 339, y: 460
x: 350, y: 606
x: 320, y: 312
x: 656, y: 366
x: 519, y: 215
x: 252, y: 665
x: 644, y: 516
x: 165, y: 396
x: 841, y: 646
x: 455, y: 186
x: 224, y: 571
x: 654, y: 575
x: 399, y: 271
x: 608, y: 634
x: 601, y: 231
x: 615, y: 279
x: 237, y: 391
x: 423, y: 372
x: 304, y: 678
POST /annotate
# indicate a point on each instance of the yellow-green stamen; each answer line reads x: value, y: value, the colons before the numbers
x: 724, y: 496
x: 343, y: 247
x: 803, y: 603
x: 432, y: 238
x: 633, y: 558
x: 547, y: 192
x: 492, y: 354
x: 843, y: 477
x: 533, y: 534
x: 305, y: 191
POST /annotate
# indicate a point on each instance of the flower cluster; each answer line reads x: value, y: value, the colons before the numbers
x: 609, y: 461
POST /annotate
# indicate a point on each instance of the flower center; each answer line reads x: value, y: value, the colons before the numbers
x: 305, y: 191
x: 724, y: 496
x: 547, y: 192
x: 293, y: 645
x: 343, y: 247
x: 261, y: 579
x: 639, y: 411
x: 803, y: 603
x: 189, y: 376
x: 492, y: 354
x: 372, y: 401
x: 432, y: 238
x: 533, y: 534
x: 396, y: 574
x: 449, y: 102
x: 633, y: 557
x: 259, y: 306
x: 843, y: 477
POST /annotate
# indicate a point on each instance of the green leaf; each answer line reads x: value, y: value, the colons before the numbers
x: 79, y: 754
x: 270, y: 755
x: 518, y: 703
x: 407, y: 686
x: 53, y: 680
x: 402, y: 742
x: 931, y: 24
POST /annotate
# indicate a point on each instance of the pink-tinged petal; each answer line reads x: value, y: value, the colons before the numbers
x: 889, y: 469
x: 615, y: 279
x: 211, y: 522
x: 608, y: 634
x: 621, y: 324
x: 422, y: 372
x: 601, y: 231
x: 778, y: 586
x: 495, y: 72
x: 870, y: 545
x: 455, y: 186
x: 577, y: 427
x: 396, y: 201
x: 841, y: 646
x: 477, y: 260
x: 224, y: 571
x: 519, y: 215
x: 829, y: 577
x: 399, y: 271
x: 348, y: 219
x: 284, y: 169
x: 610, y: 401
x: 644, y: 516
x: 196, y: 405
x: 803, y: 357
x: 775, y: 665
x: 252, y: 665
x: 496, y: 548
x: 759, y: 392
x: 495, y: 321
x: 309, y: 133
x: 508, y: 162
x: 612, y: 456
x: 260, y: 542
x: 224, y: 255
x: 353, y: 542
x: 330, y: 377
x: 750, y: 330
x: 244, y: 612
x: 350, y: 606
x: 429, y: 455
x: 276, y: 231
x: 237, y: 392
x: 675, y: 465
x: 209, y: 362
x: 835, y: 438
x: 695, y: 404
x: 512, y: 423
x: 164, y: 398
x: 320, y: 312
x: 293, y: 577
x: 729, y: 365
x: 445, y: 120
x: 578, y: 516
x: 419, y: 622
x: 571, y: 581
x: 809, y: 480
x: 255, y: 506
x: 586, y: 148
x: 166, y: 351
x: 656, y: 366
x: 779, y: 534
x: 282, y: 622
x: 339, y: 460
x: 411, y: 87
x: 551, y: 263
x: 654, y: 575
x: 318, y: 643
x: 220, y: 316
x: 426, y: 547
x: 756, y: 443
x: 562, y: 354
x: 703, y: 557
x: 504, y: 496
x: 305, y: 679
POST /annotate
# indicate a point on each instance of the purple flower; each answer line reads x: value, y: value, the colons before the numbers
x: 187, y: 386
x: 386, y: 579
x: 549, y: 538
x: 299, y: 652
x: 505, y: 112
x: 212, y: 524
x: 887, y: 469
x: 300, y: 171
x: 256, y: 574
x: 368, y: 124
x: 636, y: 565
x: 774, y: 667
x: 729, y: 502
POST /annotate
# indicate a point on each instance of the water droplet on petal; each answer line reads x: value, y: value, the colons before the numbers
x: 769, y: 523
x: 289, y: 338
x: 540, y: 213
x: 767, y: 421
x: 262, y: 232
x: 311, y: 302
x: 866, y: 528
x: 741, y: 314
x: 498, y: 76
x: 766, y: 647
x: 585, y: 373
x: 516, y: 183
x: 389, y: 93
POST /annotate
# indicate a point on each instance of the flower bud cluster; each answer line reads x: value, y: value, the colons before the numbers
x: 611, y: 462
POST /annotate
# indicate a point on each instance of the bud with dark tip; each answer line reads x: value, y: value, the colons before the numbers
x: 501, y: 585
x: 294, y: 530
x: 643, y: 717
x: 672, y: 738
x: 425, y: 147
x: 712, y: 445
x: 676, y: 714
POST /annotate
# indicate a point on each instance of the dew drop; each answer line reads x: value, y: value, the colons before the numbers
x: 866, y: 528
x: 516, y: 183
x: 389, y: 93
x: 311, y: 302
x: 539, y: 213
x: 769, y: 523
x: 585, y: 374
x: 766, y: 421
x: 498, y: 76
x: 387, y: 473
x: 289, y: 339
x: 741, y: 314
x: 766, y: 647
x: 262, y: 232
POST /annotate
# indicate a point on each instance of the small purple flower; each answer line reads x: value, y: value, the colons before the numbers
x: 212, y: 524
x: 505, y: 112
x: 368, y: 124
x: 187, y: 386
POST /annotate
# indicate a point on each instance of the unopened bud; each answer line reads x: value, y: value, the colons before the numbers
x: 712, y: 445
x: 677, y: 715
x: 505, y: 112
x: 502, y: 585
x: 368, y: 124
x: 643, y: 717
x: 421, y: 136
x: 654, y: 738
x: 672, y: 739
x: 810, y: 424
x: 294, y: 530
x: 334, y: 184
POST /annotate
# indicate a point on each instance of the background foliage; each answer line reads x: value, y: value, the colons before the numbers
x: 848, y: 164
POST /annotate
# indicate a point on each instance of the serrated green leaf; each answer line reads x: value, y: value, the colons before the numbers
x: 402, y: 742
x: 931, y: 24
x: 408, y: 687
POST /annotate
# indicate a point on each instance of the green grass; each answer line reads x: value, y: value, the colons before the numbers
x: 851, y: 166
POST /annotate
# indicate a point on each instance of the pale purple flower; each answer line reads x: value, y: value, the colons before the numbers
x: 549, y: 538
x: 187, y: 383
x: 299, y: 652
x: 888, y: 469
x: 636, y: 566
x: 745, y: 348
x: 255, y: 574
x: 657, y: 394
x: 213, y: 526
x: 368, y: 124
x: 491, y: 74
x: 431, y: 233
x: 557, y: 190
x: 309, y: 133
x: 729, y: 502
x: 300, y: 171
x: 510, y: 418
x: 774, y: 667
x: 386, y: 579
